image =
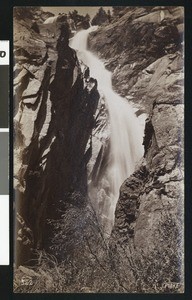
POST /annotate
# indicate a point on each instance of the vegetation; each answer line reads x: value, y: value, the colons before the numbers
x: 80, y: 259
x: 159, y: 269
x: 118, y: 10
x: 25, y: 12
x: 108, y: 267
x: 100, y: 17
x: 77, y: 18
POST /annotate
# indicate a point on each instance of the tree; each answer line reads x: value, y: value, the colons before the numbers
x: 79, y: 20
x: 109, y: 15
x: 25, y: 12
x: 119, y: 11
x: 100, y: 17
x: 74, y: 16
x: 87, y: 17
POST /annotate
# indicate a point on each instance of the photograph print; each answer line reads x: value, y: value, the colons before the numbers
x: 98, y: 149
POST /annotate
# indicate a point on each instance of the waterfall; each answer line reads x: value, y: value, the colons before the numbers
x: 126, y: 133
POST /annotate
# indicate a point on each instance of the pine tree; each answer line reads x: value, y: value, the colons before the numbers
x: 100, y: 17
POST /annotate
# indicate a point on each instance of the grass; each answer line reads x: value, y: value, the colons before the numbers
x: 96, y: 266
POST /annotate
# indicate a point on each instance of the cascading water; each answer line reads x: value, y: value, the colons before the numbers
x: 126, y: 134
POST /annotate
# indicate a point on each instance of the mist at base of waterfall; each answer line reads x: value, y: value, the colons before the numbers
x: 126, y: 137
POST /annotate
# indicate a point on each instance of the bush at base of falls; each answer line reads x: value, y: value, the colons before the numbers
x: 159, y: 269
x: 109, y: 270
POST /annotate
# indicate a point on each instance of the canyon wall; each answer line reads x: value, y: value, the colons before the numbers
x: 54, y: 108
x: 58, y: 116
x: 144, y: 49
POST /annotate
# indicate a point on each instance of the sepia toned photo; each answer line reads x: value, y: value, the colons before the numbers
x: 98, y: 149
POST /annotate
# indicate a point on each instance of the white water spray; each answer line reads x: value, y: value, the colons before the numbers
x: 126, y: 134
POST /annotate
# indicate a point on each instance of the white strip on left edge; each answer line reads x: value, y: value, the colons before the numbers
x: 4, y: 199
x: 4, y: 52
x: 4, y: 230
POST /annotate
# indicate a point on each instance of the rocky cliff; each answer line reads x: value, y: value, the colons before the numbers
x: 147, y: 64
x: 59, y: 116
x: 149, y: 35
x: 54, y: 117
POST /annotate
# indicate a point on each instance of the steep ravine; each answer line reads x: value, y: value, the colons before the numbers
x: 53, y: 125
x: 59, y: 116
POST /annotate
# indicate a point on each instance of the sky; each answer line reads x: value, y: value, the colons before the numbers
x: 82, y: 10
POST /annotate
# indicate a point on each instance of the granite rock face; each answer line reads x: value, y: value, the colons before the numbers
x: 152, y: 37
x: 58, y: 118
x: 147, y: 65
x: 155, y: 190
x: 54, y: 118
